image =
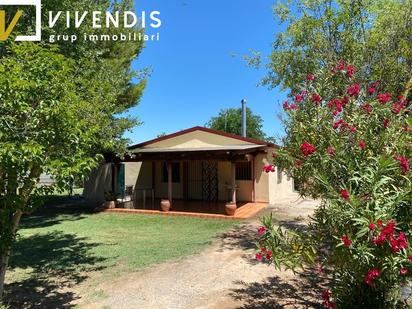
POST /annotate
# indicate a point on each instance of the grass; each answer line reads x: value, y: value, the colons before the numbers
x: 58, y: 248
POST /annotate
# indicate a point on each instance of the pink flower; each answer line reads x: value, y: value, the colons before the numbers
x: 346, y: 241
x: 336, y: 105
x: 384, y: 97
x: 375, y: 84
x: 330, y: 151
x: 310, y: 77
x: 350, y: 70
x: 341, y: 65
x: 287, y: 106
x: 345, y: 100
x: 338, y: 123
x: 389, y: 229
x: 403, y: 271
x: 307, y: 149
x: 402, y: 241
x: 397, y: 107
x: 326, y: 299
x: 372, y: 275
x: 379, y: 240
x: 261, y: 230
x: 268, y: 255
x: 298, y: 163
x: 403, y: 164
x: 259, y: 256
x: 371, y: 90
x: 367, y: 108
x: 362, y: 144
x: 268, y: 168
x: 372, y: 226
x: 298, y: 98
x: 386, y: 123
x: 344, y: 194
x: 398, y: 243
x: 410, y: 258
x: 316, y: 98
x: 353, y: 90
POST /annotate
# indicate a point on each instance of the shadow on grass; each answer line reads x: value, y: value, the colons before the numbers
x: 242, y: 236
x: 54, y: 263
x: 50, y: 215
x: 303, y: 291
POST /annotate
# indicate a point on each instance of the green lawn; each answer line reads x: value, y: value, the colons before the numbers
x: 61, y: 247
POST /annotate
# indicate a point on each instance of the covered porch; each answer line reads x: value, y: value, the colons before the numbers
x: 190, y: 180
x: 199, y: 209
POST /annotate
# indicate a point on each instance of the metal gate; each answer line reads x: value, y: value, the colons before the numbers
x: 201, y: 180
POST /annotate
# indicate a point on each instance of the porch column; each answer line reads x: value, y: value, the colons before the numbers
x: 252, y: 165
x: 169, y: 182
x: 234, y: 182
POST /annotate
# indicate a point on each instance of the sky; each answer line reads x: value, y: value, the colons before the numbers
x: 197, y: 67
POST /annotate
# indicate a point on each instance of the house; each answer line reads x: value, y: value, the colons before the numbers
x: 197, y: 164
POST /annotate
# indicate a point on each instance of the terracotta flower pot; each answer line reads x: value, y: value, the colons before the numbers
x: 230, y: 208
x: 165, y: 205
x: 109, y: 204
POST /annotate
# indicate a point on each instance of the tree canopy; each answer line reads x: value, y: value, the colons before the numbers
x: 61, y: 107
x: 372, y: 35
x: 230, y: 121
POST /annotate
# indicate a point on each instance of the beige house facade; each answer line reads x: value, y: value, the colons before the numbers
x: 197, y: 164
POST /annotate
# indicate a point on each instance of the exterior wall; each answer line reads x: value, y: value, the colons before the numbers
x: 272, y: 187
x: 132, y: 172
x: 280, y: 185
x: 197, y: 139
x: 161, y: 187
x: 243, y: 194
x: 99, y: 182
x: 269, y: 187
x: 262, y: 179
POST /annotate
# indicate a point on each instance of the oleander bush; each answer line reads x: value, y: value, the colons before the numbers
x: 349, y: 144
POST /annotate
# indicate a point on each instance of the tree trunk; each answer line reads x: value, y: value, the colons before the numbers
x: 4, y: 260
x: 4, y: 256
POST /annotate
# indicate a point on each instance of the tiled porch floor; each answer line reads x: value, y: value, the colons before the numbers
x: 197, y: 209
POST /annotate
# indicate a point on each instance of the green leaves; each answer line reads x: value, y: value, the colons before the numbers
x: 60, y: 110
x: 230, y: 120
x: 372, y: 35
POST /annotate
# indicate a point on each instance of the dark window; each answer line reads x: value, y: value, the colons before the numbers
x: 296, y: 185
x: 175, y: 172
x: 243, y: 171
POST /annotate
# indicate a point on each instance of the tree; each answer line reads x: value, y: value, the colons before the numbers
x: 353, y: 151
x: 59, y: 111
x: 372, y: 35
x: 230, y: 121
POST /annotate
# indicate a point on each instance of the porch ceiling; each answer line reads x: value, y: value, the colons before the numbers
x: 231, y: 152
x: 217, y: 148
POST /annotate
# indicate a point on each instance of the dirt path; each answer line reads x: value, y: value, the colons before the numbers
x: 225, y: 275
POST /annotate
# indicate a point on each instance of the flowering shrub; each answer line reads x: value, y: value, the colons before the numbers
x: 349, y: 143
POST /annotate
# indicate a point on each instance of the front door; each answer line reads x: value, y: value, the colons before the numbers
x: 210, y: 192
x: 201, y: 181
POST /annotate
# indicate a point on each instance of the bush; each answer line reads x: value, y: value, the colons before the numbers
x: 349, y: 144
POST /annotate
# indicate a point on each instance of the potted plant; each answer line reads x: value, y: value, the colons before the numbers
x: 165, y: 205
x: 110, y: 200
x: 230, y: 208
